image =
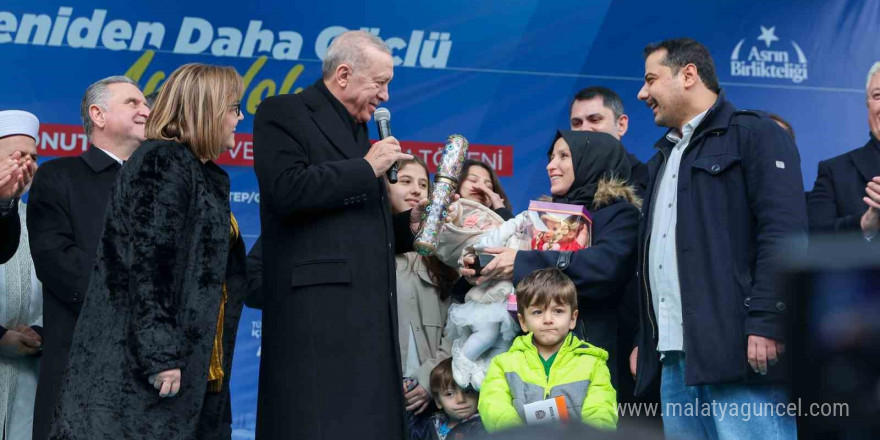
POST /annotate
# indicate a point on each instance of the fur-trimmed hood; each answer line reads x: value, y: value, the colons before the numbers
x: 610, y: 191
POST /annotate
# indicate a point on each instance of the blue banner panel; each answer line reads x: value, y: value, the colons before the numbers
x: 500, y: 73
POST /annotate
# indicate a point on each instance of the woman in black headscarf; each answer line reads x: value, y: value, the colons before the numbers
x: 589, y: 169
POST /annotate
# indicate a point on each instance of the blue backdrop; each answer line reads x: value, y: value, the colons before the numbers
x: 500, y: 73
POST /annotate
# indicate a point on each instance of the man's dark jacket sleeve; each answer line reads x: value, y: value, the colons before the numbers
x: 822, y: 206
x: 254, y: 297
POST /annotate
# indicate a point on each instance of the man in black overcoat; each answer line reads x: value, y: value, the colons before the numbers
x: 65, y: 217
x: 846, y: 195
x: 330, y: 367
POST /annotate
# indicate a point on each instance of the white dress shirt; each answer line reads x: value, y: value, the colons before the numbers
x: 662, y: 257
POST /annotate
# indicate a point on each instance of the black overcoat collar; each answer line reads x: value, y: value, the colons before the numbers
x: 867, y: 159
x: 337, y: 131
x: 97, y: 159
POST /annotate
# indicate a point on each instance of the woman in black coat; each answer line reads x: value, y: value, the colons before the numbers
x: 152, y: 349
x: 589, y: 169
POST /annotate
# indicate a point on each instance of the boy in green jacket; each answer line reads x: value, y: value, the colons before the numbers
x: 548, y: 374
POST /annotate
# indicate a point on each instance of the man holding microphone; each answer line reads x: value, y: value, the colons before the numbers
x: 330, y: 365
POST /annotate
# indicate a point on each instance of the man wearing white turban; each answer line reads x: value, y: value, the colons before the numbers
x: 21, y: 298
x: 16, y: 172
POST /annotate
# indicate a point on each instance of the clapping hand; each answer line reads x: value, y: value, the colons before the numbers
x: 16, y: 173
x: 870, y: 222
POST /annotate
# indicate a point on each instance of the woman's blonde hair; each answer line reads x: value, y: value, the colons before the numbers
x: 192, y: 105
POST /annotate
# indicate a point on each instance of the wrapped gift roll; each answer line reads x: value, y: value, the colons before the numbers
x: 445, y: 185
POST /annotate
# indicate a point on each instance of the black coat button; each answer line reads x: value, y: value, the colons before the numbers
x: 780, y: 306
x: 716, y: 168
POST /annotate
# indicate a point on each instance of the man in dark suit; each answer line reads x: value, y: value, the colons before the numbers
x: 846, y: 195
x: 330, y: 367
x: 65, y: 216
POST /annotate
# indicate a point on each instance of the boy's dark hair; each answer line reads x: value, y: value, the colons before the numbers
x: 441, y: 377
x: 683, y: 51
x: 610, y: 99
x: 543, y: 287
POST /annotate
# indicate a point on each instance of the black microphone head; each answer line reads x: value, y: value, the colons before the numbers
x: 382, y: 115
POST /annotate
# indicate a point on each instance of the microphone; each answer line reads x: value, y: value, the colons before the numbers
x: 383, y: 123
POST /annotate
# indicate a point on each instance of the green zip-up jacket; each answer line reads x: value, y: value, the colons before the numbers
x: 578, y: 373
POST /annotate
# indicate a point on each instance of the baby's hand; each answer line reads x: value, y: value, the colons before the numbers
x: 454, y: 212
x: 466, y: 267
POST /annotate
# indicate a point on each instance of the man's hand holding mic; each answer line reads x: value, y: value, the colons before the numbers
x: 384, y: 154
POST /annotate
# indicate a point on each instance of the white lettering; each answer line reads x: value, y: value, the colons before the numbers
x: 91, y: 27
x: 156, y: 31
x: 184, y: 42
x: 48, y: 139
x: 412, y: 51
x: 394, y: 44
x: 289, y: 46
x: 60, y: 26
x: 254, y: 34
x: 42, y: 23
x: 8, y: 24
x: 115, y: 35
x: 228, y: 42
x: 198, y: 35
x: 324, y: 39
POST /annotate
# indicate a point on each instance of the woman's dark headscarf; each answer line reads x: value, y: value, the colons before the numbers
x: 594, y: 156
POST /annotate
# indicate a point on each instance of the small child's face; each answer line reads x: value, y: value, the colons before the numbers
x: 550, y: 325
x: 571, y: 234
x: 457, y: 403
x: 552, y: 225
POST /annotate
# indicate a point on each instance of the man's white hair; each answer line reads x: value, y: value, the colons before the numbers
x: 873, y: 71
x: 348, y: 48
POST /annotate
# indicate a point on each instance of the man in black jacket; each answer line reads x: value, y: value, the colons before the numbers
x: 330, y: 366
x: 726, y: 193
x: 846, y: 195
x: 65, y: 216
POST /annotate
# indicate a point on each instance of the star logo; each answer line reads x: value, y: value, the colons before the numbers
x: 768, y: 35
x: 753, y: 60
